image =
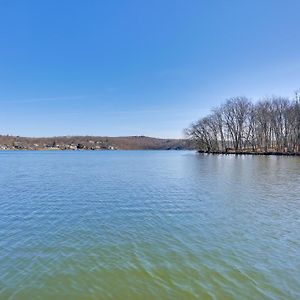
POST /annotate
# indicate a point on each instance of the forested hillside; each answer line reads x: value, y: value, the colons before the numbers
x: 92, y: 143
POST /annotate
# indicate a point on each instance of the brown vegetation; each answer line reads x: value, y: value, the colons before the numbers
x: 271, y: 126
x: 92, y: 143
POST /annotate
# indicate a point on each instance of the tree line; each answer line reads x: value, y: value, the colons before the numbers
x: 238, y: 125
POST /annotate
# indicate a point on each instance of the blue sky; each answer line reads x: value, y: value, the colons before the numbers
x: 139, y: 67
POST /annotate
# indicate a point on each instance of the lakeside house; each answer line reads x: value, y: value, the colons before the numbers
x: 17, y: 145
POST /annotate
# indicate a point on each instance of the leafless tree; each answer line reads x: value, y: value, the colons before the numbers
x: 272, y: 124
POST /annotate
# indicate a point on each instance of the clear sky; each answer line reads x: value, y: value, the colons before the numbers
x: 139, y: 67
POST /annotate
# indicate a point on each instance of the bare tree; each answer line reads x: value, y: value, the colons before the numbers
x: 272, y: 124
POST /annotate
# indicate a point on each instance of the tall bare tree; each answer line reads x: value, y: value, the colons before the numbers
x: 272, y: 124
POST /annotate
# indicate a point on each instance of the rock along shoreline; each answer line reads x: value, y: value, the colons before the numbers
x: 249, y: 153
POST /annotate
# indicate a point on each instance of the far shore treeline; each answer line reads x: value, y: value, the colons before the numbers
x: 8, y: 142
x: 270, y: 126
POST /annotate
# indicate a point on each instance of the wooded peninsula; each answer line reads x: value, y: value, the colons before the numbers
x: 239, y: 126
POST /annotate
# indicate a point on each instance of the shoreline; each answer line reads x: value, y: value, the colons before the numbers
x: 92, y: 143
x: 249, y: 153
x: 96, y: 150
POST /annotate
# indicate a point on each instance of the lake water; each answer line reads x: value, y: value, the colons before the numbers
x: 148, y: 225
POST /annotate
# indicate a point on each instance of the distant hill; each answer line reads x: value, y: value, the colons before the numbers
x: 93, y: 143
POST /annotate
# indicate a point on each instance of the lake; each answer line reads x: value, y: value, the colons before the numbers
x: 148, y: 225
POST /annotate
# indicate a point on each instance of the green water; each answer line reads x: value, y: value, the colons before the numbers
x: 148, y: 225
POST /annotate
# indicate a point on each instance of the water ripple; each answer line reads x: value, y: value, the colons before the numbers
x: 148, y: 225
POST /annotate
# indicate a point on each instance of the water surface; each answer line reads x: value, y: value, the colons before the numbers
x: 148, y: 225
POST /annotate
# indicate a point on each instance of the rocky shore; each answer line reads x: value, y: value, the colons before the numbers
x: 266, y: 153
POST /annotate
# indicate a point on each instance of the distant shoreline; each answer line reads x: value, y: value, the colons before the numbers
x: 93, y: 143
x: 99, y: 150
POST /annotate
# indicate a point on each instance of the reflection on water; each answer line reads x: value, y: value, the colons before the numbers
x: 148, y: 225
